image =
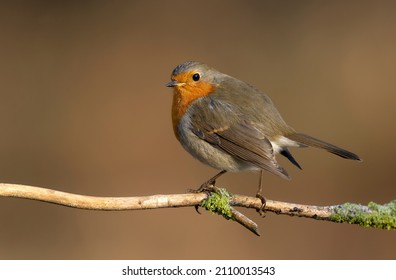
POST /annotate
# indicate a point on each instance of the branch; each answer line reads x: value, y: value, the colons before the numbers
x: 221, y: 202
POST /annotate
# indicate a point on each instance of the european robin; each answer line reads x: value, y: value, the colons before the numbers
x: 232, y: 126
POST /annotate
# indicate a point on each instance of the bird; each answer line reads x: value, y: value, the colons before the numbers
x: 232, y: 126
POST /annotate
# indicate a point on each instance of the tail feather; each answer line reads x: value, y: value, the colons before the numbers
x: 304, y: 139
x: 286, y: 153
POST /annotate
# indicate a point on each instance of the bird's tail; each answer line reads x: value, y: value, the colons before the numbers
x: 306, y: 140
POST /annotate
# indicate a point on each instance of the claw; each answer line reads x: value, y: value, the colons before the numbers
x: 197, y: 209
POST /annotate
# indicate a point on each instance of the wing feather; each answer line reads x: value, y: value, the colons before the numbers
x: 234, y: 135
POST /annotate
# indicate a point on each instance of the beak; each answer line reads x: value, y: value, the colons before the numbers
x: 173, y: 83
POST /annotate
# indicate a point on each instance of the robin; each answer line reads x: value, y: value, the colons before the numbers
x: 232, y: 126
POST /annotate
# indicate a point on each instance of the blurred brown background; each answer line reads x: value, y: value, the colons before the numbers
x: 84, y: 109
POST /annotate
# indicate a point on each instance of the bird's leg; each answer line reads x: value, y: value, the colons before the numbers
x: 210, y: 184
x: 260, y: 196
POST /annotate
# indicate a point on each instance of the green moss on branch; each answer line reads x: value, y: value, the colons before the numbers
x: 373, y: 215
x: 218, y: 202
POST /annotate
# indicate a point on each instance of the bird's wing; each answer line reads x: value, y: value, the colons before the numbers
x: 221, y: 125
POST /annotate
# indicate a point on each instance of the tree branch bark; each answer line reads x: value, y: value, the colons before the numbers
x: 372, y: 215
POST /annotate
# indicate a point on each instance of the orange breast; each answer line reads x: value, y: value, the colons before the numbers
x: 183, y: 96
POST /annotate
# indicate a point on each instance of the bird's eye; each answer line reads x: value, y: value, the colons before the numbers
x: 196, y: 77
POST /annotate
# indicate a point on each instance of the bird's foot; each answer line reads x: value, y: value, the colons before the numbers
x: 208, y: 187
x: 261, y: 211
